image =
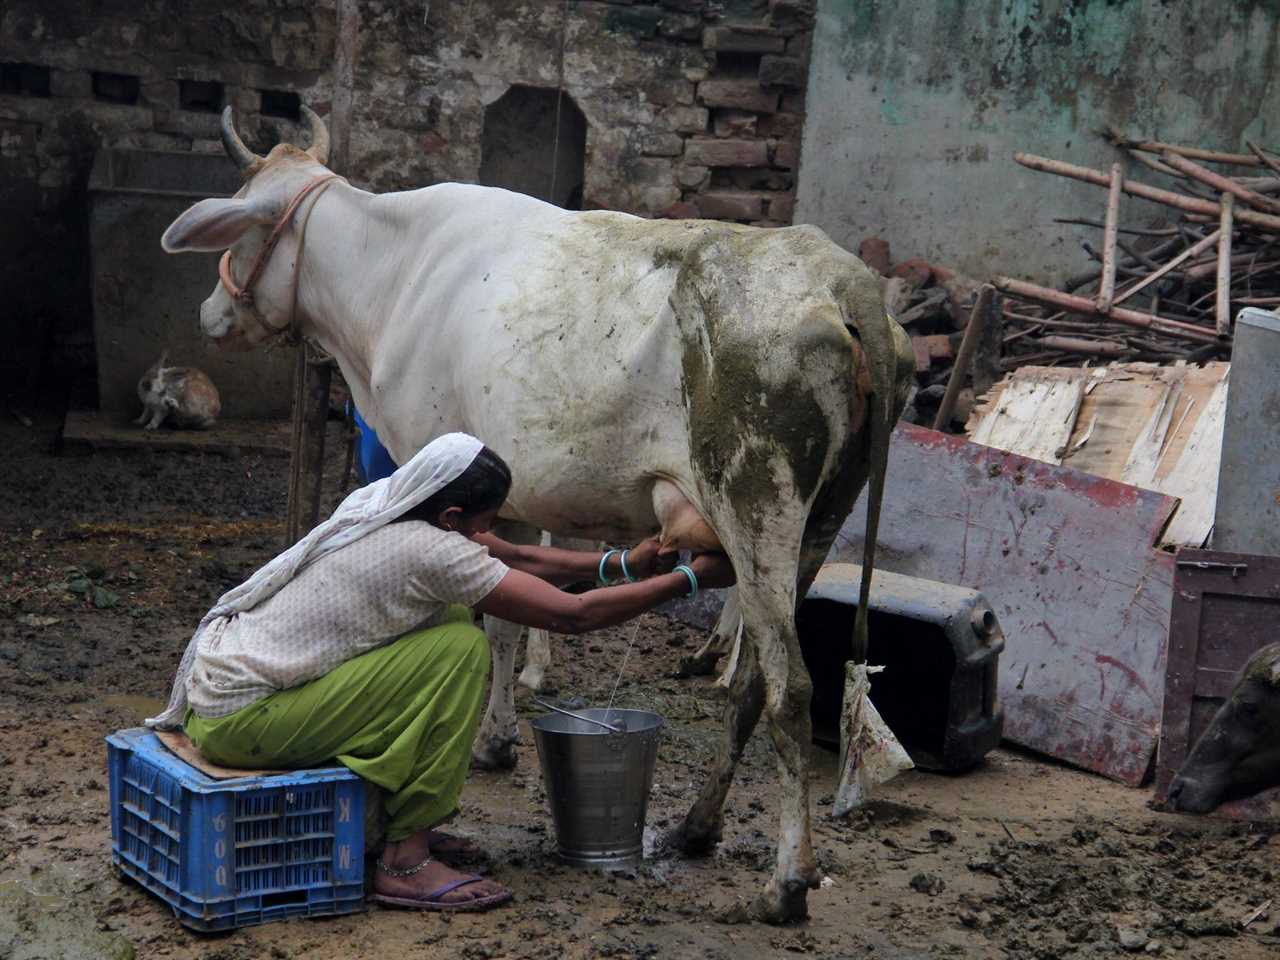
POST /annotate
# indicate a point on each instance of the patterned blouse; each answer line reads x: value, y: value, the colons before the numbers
x: 396, y: 579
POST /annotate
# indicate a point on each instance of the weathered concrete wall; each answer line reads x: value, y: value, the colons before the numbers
x: 916, y: 109
x: 692, y: 107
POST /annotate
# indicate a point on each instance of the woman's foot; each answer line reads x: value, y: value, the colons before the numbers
x: 408, y: 876
x: 454, y: 850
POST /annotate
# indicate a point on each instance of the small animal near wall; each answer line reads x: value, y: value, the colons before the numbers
x: 179, y: 396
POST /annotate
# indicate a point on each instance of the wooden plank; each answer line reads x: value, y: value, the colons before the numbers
x: 1033, y: 418
x: 1194, y: 479
x: 98, y: 431
x: 1159, y: 427
x: 1144, y: 454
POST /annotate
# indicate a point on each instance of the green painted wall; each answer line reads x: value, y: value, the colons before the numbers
x: 916, y: 109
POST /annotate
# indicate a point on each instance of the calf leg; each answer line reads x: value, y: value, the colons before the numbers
x: 703, y: 663
x: 537, y: 657
x: 703, y: 825
x: 494, y: 748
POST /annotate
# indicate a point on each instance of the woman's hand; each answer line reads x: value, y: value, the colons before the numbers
x: 643, y: 559
x: 712, y: 570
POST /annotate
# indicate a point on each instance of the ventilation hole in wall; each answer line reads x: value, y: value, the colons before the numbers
x: 281, y: 103
x: 116, y: 87
x: 203, y: 96
x: 24, y: 79
x: 737, y: 64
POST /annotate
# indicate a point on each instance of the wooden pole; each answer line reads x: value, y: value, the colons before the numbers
x: 1130, y: 318
x: 1107, y: 289
x: 1200, y: 246
x: 1270, y: 161
x: 1190, y: 204
x: 1092, y: 348
x: 1220, y: 183
x: 313, y: 373
x: 1223, y: 308
x: 344, y: 70
x: 964, y: 356
x: 1196, y: 153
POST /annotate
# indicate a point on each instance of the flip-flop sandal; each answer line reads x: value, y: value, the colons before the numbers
x: 431, y: 901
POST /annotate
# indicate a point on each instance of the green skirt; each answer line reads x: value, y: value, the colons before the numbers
x: 402, y: 716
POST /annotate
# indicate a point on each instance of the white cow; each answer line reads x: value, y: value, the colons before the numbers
x: 728, y: 386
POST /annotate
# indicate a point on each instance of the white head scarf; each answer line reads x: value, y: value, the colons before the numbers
x: 440, y: 462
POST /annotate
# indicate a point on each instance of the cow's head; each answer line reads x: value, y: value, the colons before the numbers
x: 1239, y: 753
x: 243, y: 224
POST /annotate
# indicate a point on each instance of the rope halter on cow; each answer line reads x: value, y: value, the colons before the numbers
x: 243, y: 295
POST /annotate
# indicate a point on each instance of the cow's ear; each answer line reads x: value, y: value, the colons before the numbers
x: 213, y: 225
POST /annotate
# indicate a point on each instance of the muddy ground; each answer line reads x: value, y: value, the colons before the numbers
x: 108, y: 560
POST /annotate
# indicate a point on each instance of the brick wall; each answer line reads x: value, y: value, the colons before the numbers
x: 693, y: 108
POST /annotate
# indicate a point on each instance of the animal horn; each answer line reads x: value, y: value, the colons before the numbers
x: 234, y: 146
x: 319, y: 148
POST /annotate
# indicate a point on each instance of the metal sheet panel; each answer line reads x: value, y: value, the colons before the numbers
x: 1225, y: 607
x: 1247, y: 518
x: 1068, y: 562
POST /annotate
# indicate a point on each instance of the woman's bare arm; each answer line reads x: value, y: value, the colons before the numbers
x: 525, y: 599
x: 559, y: 566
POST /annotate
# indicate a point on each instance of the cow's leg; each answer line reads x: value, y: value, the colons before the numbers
x: 702, y: 826
x: 703, y: 663
x: 494, y: 748
x: 537, y: 657
x: 770, y: 619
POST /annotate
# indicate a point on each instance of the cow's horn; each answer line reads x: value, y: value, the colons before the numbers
x: 319, y: 148
x: 232, y: 143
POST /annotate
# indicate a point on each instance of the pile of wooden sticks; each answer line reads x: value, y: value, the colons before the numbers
x: 1166, y: 292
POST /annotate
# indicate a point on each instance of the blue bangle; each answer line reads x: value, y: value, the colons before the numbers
x: 693, y: 580
x: 625, y: 572
x: 603, y: 560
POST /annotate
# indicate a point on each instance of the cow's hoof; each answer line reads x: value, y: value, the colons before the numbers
x: 690, y: 839
x: 531, y: 678
x: 496, y: 754
x: 698, y: 665
x: 783, y: 903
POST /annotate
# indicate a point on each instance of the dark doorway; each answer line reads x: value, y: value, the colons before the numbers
x: 520, y: 147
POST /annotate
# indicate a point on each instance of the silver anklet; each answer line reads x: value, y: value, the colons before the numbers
x: 406, y: 872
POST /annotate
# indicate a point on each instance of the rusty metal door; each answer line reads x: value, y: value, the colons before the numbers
x: 1225, y: 607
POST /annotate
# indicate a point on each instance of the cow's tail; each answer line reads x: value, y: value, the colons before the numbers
x: 880, y: 346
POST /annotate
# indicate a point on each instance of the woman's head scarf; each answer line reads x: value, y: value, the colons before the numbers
x: 365, y: 510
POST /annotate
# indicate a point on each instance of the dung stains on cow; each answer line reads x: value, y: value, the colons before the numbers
x: 787, y: 394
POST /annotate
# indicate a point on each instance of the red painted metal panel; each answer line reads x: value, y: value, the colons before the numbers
x: 1068, y: 561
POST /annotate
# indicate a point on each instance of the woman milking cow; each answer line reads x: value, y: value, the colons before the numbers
x: 357, y: 644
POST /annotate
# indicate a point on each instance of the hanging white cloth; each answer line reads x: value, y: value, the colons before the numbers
x: 869, y: 752
x: 440, y: 462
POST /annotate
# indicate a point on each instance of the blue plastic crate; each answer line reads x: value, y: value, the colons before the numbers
x: 231, y: 853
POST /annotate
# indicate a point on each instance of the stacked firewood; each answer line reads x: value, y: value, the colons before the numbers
x: 1162, y: 292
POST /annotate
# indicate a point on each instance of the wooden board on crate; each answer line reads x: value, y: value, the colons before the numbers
x: 1157, y: 427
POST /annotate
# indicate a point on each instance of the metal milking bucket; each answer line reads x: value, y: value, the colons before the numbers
x: 598, y: 782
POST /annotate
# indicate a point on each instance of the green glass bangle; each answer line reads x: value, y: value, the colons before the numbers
x: 693, y: 580
x: 604, y: 582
